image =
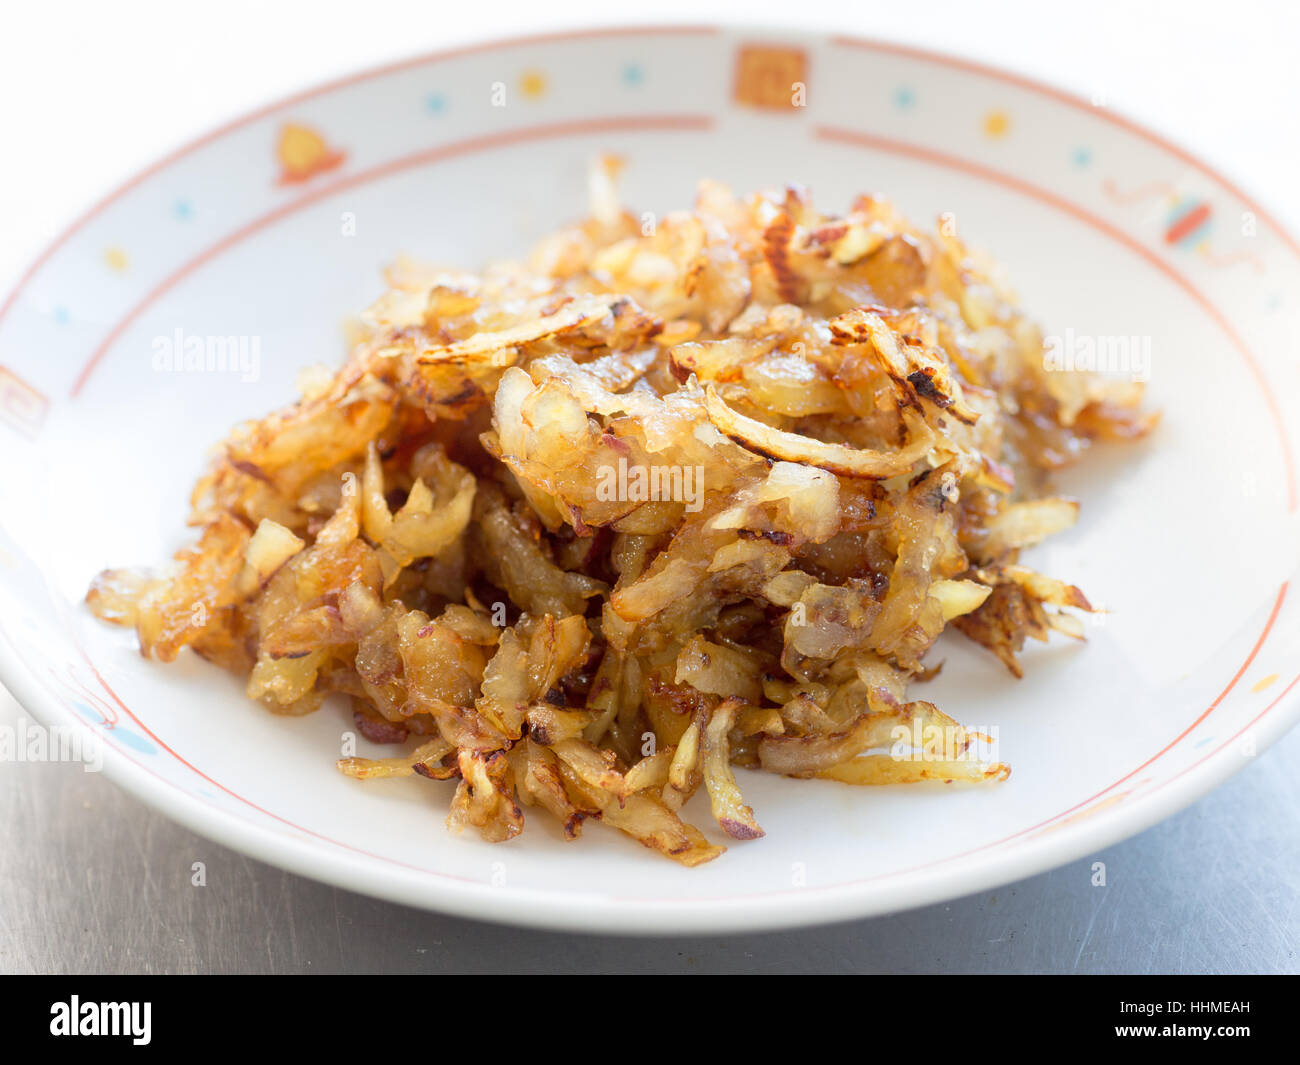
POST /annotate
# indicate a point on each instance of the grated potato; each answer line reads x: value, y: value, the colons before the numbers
x: 591, y: 532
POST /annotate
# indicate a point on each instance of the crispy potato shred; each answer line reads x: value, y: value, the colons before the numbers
x: 591, y: 532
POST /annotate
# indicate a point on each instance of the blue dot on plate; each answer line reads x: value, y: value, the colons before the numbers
x: 183, y: 210
x: 435, y: 102
x: 633, y: 74
x: 138, y: 743
x: 904, y: 97
x: 61, y: 315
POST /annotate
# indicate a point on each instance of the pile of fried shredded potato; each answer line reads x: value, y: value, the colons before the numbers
x: 671, y: 498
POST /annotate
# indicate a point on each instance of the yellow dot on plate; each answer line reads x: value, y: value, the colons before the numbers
x: 997, y: 124
x: 116, y: 259
x: 533, y: 84
x: 1265, y: 682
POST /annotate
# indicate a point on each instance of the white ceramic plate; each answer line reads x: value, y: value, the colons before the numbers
x: 1108, y: 230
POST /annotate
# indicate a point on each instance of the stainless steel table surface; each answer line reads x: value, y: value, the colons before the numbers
x: 91, y: 880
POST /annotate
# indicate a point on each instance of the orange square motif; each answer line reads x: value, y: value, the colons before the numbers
x: 770, y: 77
x: 21, y: 406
